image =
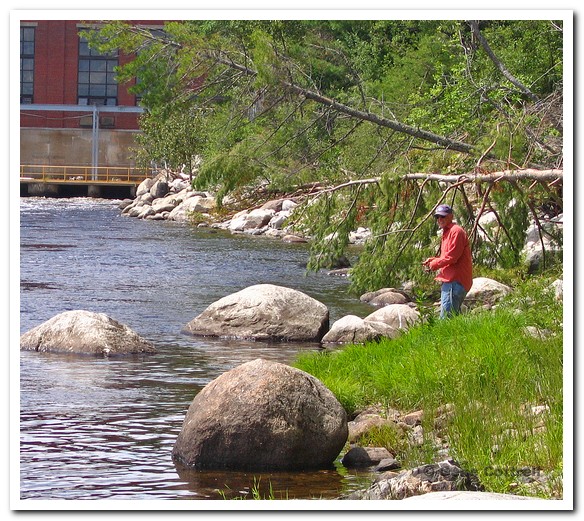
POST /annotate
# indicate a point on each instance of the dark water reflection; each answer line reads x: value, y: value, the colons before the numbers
x: 104, y: 429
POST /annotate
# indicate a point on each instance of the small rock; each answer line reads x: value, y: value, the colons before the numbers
x: 413, y: 418
x: 387, y: 464
x: 358, y: 457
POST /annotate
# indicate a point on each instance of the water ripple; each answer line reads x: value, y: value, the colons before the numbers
x: 95, y: 428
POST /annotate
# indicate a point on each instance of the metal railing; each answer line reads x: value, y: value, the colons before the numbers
x: 58, y: 174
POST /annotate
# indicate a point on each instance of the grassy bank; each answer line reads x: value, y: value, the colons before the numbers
x: 500, y: 371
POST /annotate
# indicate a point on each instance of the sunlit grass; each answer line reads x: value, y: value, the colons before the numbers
x: 488, y: 367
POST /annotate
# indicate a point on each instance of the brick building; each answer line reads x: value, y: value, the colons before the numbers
x: 72, y: 110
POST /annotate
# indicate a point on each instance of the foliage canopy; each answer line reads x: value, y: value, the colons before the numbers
x: 362, y: 105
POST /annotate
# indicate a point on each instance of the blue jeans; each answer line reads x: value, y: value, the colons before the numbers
x: 451, y: 296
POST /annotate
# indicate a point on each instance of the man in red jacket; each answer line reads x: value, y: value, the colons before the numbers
x: 454, y: 266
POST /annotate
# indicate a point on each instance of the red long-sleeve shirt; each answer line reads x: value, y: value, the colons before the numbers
x: 455, y: 261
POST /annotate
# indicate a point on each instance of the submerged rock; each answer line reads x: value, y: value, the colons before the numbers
x: 84, y: 332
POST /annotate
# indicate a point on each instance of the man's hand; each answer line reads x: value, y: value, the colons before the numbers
x: 426, y: 264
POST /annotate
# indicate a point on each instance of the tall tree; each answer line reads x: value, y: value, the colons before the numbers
x: 286, y: 103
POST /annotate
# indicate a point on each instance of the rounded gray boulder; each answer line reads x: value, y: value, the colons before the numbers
x: 398, y: 316
x: 262, y: 415
x: 384, y: 297
x: 84, y: 332
x: 352, y: 329
x: 263, y: 312
x: 486, y: 291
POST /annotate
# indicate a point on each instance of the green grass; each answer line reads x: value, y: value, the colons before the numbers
x: 255, y: 492
x: 487, y: 367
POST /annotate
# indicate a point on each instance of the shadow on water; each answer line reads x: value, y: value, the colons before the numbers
x: 315, y: 484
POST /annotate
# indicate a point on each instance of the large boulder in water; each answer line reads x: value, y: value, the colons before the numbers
x: 262, y: 415
x: 264, y: 312
x: 84, y: 332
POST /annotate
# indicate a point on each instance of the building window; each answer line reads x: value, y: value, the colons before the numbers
x: 26, y: 64
x: 96, y: 83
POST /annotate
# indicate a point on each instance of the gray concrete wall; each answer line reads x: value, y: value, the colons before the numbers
x: 61, y: 146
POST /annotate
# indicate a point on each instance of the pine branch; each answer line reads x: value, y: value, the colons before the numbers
x: 425, y: 135
x: 551, y: 176
x: 474, y: 27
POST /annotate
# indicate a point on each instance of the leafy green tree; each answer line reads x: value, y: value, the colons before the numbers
x: 390, y: 117
x: 172, y: 141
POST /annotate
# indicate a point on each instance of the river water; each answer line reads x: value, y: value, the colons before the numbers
x: 101, y: 429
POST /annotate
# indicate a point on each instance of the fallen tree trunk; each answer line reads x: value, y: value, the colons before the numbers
x: 551, y: 176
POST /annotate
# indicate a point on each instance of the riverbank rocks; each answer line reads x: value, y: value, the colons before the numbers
x: 262, y: 415
x: 361, y: 457
x: 251, y: 220
x: 365, y: 423
x: 268, y: 220
x: 398, y: 316
x: 384, y: 297
x: 84, y: 332
x: 486, y: 292
x: 558, y: 289
x: 263, y: 312
x: 197, y: 203
x: 352, y: 329
x: 387, y: 322
x: 467, y: 495
x: 446, y: 475
x: 543, y: 241
x: 168, y: 196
